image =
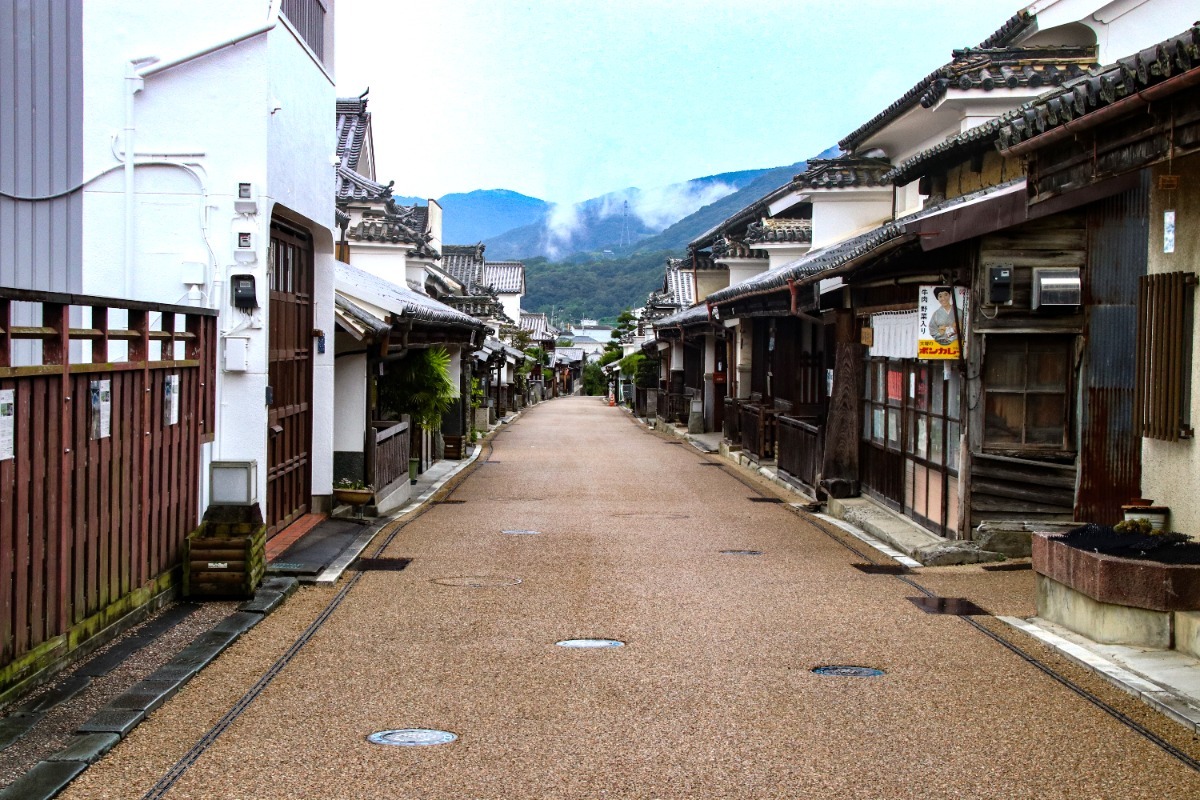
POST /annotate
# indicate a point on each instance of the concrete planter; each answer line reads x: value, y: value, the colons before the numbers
x: 1121, y: 581
x: 1116, y: 600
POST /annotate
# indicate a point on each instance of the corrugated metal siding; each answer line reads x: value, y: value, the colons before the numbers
x: 1110, y: 450
x: 41, y: 143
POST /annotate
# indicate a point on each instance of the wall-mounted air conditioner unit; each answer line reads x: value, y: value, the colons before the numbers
x: 1056, y: 287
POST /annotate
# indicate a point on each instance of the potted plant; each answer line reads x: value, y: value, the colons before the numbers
x: 352, y: 492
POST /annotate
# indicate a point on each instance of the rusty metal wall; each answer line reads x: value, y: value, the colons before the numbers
x: 1110, y: 454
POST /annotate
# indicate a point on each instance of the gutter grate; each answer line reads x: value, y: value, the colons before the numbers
x: 1007, y: 567
x: 764, y: 499
x: 953, y: 606
x: 882, y: 569
x: 380, y: 564
x: 448, y: 502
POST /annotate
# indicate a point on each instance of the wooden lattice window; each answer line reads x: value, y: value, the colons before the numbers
x: 308, y: 18
x: 1027, y: 393
x: 1164, y: 349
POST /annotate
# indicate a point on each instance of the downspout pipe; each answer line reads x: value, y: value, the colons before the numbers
x: 136, y: 71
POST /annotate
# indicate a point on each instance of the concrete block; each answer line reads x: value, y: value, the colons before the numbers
x: 87, y: 748
x: 1102, y: 622
x: 45, y: 780
x: 113, y: 720
x: 1187, y: 632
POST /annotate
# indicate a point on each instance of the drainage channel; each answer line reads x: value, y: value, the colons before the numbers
x: 180, y: 768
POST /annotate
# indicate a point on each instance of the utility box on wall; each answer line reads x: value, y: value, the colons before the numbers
x: 1000, y: 285
x: 1056, y: 287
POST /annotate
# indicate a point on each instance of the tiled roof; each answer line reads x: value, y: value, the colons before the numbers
x: 780, y: 231
x: 696, y: 315
x: 678, y: 289
x: 984, y: 68
x: 731, y: 247
x: 843, y: 172
x: 397, y: 224
x: 353, y: 124
x: 464, y: 263
x: 352, y: 186
x: 354, y: 284
x: 1076, y: 97
x: 810, y: 264
x: 506, y: 277
x: 1102, y: 87
x: 733, y: 222
x: 538, y: 326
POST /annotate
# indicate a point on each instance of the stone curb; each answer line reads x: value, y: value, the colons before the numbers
x: 113, y: 722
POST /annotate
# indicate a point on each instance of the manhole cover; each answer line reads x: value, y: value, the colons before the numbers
x: 882, y: 569
x: 477, y: 581
x: 412, y: 737
x: 846, y: 671
x: 589, y: 644
x: 764, y: 499
x: 955, y: 606
x: 518, y: 532
x: 741, y: 552
x: 381, y: 564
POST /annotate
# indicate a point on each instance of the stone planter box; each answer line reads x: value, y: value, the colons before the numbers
x: 1115, y: 600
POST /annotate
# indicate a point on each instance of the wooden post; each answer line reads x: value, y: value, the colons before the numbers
x: 58, y: 351
x: 839, y: 469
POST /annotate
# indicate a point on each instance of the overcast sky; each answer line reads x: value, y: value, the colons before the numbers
x: 569, y: 99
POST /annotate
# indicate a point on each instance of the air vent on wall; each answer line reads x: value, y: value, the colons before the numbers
x: 1056, y: 287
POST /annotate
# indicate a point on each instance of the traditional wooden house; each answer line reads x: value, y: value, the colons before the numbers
x: 1122, y: 145
x: 400, y: 246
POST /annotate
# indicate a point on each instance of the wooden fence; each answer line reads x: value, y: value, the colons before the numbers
x: 757, y: 425
x: 801, y: 448
x: 387, y: 455
x: 101, y: 426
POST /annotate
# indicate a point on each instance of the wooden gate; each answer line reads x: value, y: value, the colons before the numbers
x: 289, y: 420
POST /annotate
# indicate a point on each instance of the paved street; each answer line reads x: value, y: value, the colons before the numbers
x: 713, y: 694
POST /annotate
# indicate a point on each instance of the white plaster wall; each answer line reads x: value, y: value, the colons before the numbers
x: 324, y: 401
x: 512, y: 306
x: 259, y: 111
x: 1169, y: 468
x: 382, y: 261
x: 741, y: 269
x: 839, y: 215
x: 350, y: 423
x: 1122, y: 27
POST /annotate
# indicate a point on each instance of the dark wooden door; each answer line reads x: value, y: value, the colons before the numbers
x: 289, y: 420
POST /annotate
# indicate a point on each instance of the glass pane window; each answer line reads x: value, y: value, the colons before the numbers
x: 1027, y: 391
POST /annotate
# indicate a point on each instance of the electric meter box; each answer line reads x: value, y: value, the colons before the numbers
x: 1056, y: 287
x: 1000, y: 285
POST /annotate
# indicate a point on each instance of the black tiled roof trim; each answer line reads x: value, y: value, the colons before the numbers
x: 845, y: 172
x: 956, y: 148
x: 810, y: 264
x: 799, y: 232
x: 696, y: 315
x: 353, y: 121
x: 1101, y: 88
x: 352, y: 186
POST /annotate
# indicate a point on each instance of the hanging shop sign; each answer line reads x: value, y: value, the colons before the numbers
x: 942, y: 321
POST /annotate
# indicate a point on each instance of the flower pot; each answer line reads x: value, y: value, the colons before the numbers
x: 1156, y: 515
x: 353, y: 497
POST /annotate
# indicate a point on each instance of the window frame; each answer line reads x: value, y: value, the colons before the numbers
x: 999, y: 342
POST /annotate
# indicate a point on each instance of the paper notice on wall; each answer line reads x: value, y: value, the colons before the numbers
x: 171, y: 400
x: 941, y: 312
x: 1168, y: 231
x: 8, y: 416
x: 100, y: 397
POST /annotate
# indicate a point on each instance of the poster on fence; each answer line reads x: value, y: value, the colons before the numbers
x: 100, y: 395
x: 941, y: 317
x: 171, y: 400
x: 8, y: 414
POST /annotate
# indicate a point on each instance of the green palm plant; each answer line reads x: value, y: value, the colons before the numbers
x: 419, y: 385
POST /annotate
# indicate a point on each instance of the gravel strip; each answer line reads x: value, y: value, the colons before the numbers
x: 53, y: 732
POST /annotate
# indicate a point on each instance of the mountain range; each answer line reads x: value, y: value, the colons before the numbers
x: 600, y: 256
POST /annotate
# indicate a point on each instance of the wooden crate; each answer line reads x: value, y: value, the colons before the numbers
x: 224, y: 558
x: 453, y: 450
